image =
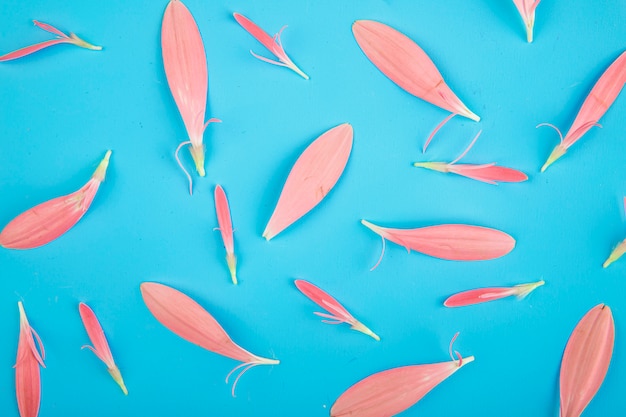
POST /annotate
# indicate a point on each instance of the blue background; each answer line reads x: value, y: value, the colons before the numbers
x: 62, y: 108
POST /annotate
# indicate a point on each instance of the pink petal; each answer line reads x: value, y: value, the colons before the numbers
x: 488, y: 173
x: 100, y: 344
x: 457, y: 242
x: 27, y: 377
x: 186, y: 71
x: 601, y: 97
x: 390, y: 392
x: 186, y: 318
x: 312, y: 177
x: 526, y: 10
x: 49, y: 28
x: 31, y: 49
x: 47, y: 221
x: 407, y: 65
x: 483, y: 295
x: 586, y: 360
x: 226, y: 229
x: 327, y: 302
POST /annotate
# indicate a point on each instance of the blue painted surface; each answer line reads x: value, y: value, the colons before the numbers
x: 64, y: 107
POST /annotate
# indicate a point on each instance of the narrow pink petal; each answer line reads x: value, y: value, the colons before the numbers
x: 186, y: 318
x: 407, y: 65
x: 47, y: 221
x: 324, y: 300
x: 27, y: 377
x: 226, y: 229
x: 601, y: 97
x: 458, y: 242
x: 312, y: 177
x: 49, y: 28
x: 96, y: 335
x: 100, y: 345
x: 488, y: 173
x: 327, y: 302
x: 526, y: 10
x: 32, y: 49
x: 586, y: 360
x: 390, y: 392
x: 259, y: 34
x: 483, y: 295
x: 186, y: 71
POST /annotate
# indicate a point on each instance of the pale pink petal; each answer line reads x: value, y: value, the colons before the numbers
x: 601, y: 97
x: 482, y: 295
x: 407, y: 65
x: 488, y: 173
x: 186, y: 318
x: 100, y: 345
x: 27, y: 376
x: 390, y: 392
x: 31, y: 49
x: 458, y: 242
x: 226, y: 229
x: 47, y: 221
x: 186, y: 71
x: 526, y: 10
x: 327, y: 302
x: 586, y: 360
x: 312, y: 177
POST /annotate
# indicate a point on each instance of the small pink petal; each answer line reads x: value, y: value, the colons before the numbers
x: 27, y: 377
x: 226, y: 229
x: 483, y: 295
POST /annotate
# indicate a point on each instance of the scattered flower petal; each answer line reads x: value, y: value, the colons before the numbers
x: 27, y: 378
x: 47, y: 221
x: 272, y: 43
x: 526, y: 10
x: 455, y: 242
x: 618, y: 251
x: 595, y: 105
x: 489, y: 173
x: 187, y: 76
x: 586, y: 360
x: 186, y: 318
x: 100, y: 345
x: 62, y: 38
x: 390, y: 392
x: 338, y: 314
x: 226, y: 229
x: 312, y: 177
x: 483, y: 295
x: 407, y: 65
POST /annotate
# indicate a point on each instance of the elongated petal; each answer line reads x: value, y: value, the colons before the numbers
x: 390, y: 392
x: 457, y: 242
x: 73, y: 39
x: 616, y: 253
x: 100, y: 345
x: 27, y: 377
x: 226, y: 229
x: 47, y: 221
x: 312, y: 177
x: 586, y: 360
x: 483, y: 295
x: 526, y: 10
x: 407, y: 65
x: 489, y: 173
x: 183, y: 316
x: 336, y: 310
x: 273, y: 44
x: 601, y: 97
x: 185, y: 66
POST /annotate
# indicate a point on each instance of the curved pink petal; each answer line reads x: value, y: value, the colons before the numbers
x: 458, y: 242
x: 601, y: 97
x: 586, y: 360
x: 407, y: 65
x: 27, y: 376
x: 390, y: 392
x: 312, y: 177
x: 47, y: 221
